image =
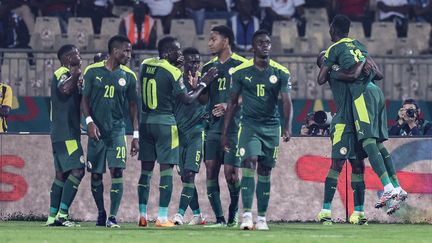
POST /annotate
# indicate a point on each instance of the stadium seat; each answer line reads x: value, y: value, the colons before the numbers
x: 80, y: 32
x: 357, y: 31
x: 45, y: 32
x: 121, y: 11
x: 383, y: 39
x: 200, y: 42
x: 110, y: 26
x: 287, y: 33
x: 159, y: 28
x: 209, y: 23
x: 184, y: 31
x: 419, y: 34
x: 318, y: 35
x: 316, y: 14
x: 406, y: 47
x: 384, y: 31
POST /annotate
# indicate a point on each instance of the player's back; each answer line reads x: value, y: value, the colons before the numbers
x: 160, y: 82
x: 343, y: 101
x: 65, y: 109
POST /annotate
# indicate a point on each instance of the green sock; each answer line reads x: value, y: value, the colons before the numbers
x: 234, y: 190
x: 186, y: 197
x: 97, y: 190
x: 388, y: 163
x: 116, y: 194
x: 194, y: 204
x: 263, y: 194
x: 213, y: 194
x: 376, y: 160
x: 330, y: 186
x: 143, y: 191
x: 70, y: 189
x: 55, y: 197
x: 247, y: 188
x: 165, y: 187
x: 358, y: 186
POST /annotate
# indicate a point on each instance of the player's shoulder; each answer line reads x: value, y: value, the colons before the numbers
x: 244, y: 66
x: 164, y: 65
x: 128, y: 71
x: 94, y: 66
x: 342, y: 43
x: 237, y: 58
x: 60, y: 72
x: 278, y: 66
x: 211, y: 62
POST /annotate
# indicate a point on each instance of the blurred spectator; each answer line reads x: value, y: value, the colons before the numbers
x: 409, y: 121
x: 63, y: 9
x: 139, y: 27
x: 100, y: 56
x: 395, y: 11
x: 165, y: 10
x: 244, y: 25
x: 14, y: 33
x: 356, y: 10
x: 22, y: 9
x: 200, y: 10
x: 5, y: 104
x: 96, y: 10
x: 422, y: 10
x: 316, y: 3
x: 316, y: 124
x: 284, y: 10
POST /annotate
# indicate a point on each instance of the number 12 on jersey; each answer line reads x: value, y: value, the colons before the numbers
x: 149, y: 94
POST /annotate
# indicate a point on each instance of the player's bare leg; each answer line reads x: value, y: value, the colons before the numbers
x: 233, y: 181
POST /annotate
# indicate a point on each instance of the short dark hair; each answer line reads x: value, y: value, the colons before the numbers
x: 190, y: 51
x: 165, y: 44
x: 115, y: 41
x: 260, y: 32
x: 341, y: 24
x: 65, y: 49
x: 411, y: 102
x: 226, y: 32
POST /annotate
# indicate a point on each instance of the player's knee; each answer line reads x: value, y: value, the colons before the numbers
x: 78, y: 173
x: 263, y: 170
x: 357, y: 166
x: 188, y: 176
x: 117, y: 172
x: 337, y: 164
x: 166, y: 167
x: 250, y: 162
x: 96, y: 177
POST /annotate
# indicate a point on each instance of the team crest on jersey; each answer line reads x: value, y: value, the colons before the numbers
x: 182, y: 86
x: 273, y: 79
x: 231, y: 71
x: 82, y: 160
x: 242, y: 151
x: 343, y: 151
x: 122, y: 82
x: 63, y: 77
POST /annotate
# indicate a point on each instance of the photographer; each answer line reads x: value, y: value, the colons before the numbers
x: 316, y: 124
x: 5, y: 104
x: 409, y: 122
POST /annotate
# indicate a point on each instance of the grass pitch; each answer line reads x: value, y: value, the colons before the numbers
x: 21, y: 231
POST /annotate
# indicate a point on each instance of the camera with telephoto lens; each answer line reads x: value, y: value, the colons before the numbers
x: 411, y: 112
x: 321, y: 123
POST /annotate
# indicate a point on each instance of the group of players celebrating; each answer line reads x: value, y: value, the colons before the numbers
x: 226, y: 114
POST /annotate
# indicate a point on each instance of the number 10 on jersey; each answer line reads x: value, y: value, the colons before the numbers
x: 149, y: 94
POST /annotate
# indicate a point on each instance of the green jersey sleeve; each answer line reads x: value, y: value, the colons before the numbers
x: 131, y: 91
x: 285, y: 79
x: 331, y: 56
x: 88, y: 82
x: 178, y: 86
x: 236, y: 83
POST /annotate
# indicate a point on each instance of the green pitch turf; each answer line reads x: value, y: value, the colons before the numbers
x: 14, y: 231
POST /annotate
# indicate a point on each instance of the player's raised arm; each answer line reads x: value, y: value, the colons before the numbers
x: 72, y: 61
x: 208, y: 77
x: 349, y: 75
x: 370, y: 66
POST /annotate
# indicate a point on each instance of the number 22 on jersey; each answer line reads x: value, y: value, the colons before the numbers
x: 149, y: 94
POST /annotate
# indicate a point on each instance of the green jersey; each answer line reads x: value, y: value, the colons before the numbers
x: 65, y: 110
x: 219, y: 91
x: 343, y: 100
x: 188, y: 116
x: 260, y: 91
x: 107, y: 93
x: 346, y: 53
x: 161, y: 83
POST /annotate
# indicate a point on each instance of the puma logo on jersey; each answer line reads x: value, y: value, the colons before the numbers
x: 249, y: 78
x: 99, y: 78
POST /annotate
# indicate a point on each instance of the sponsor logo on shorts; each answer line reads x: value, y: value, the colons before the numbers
x: 343, y: 151
x: 273, y: 79
x: 82, y: 160
x: 122, y: 82
x: 242, y: 151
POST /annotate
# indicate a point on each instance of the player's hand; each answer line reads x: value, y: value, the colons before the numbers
x: 134, y: 147
x: 93, y: 131
x: 286, y: 136
x: 209, y: 76
x: 225, y: 143
x: 219, y: 109
x: 193, y: 80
